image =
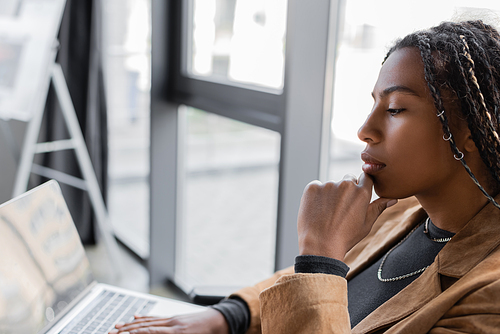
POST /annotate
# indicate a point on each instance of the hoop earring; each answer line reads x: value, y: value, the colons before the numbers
x: 461, y: 156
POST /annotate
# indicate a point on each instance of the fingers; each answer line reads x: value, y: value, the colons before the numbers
x: 139, y: 318
x: 208, y: 321
x: 155, y: 330
x: 350, y: 177
x: 365, y: 181
x: 335, y: 216
x: 152, y: 330
x: 378, y: 206
x: 144, y: 322
x: 347, y: 177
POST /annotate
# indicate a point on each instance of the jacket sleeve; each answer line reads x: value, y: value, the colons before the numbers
x: 305, y: 303
x: 251, y: 296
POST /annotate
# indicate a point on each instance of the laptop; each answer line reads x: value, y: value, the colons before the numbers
x: 46, y: 285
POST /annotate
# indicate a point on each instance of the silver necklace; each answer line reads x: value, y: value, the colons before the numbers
x: 413, y: 273
x: 426, y: 231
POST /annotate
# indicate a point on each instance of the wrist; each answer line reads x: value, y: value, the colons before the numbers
x: 218, y: 323
x: 334, y: 252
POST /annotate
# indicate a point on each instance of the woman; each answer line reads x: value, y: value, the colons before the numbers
x: 417, y: 267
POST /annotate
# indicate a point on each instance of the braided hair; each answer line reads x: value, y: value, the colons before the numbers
x: 464, y: 59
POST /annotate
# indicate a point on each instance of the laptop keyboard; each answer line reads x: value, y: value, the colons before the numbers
x: 109, y: 308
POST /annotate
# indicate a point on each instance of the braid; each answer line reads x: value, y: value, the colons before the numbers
x: 429, y: 70
x: 464, y: 58
x: 492, y: 136
x: 489, y: 138
x: 489, y: 77
x: 491, y: 70
x: 477, y: 133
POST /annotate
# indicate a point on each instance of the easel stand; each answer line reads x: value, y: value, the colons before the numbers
x: 76, y: 142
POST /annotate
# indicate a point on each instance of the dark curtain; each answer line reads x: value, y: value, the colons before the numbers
x: 81, y: 60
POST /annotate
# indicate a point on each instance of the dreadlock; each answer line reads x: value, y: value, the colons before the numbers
x: 464, y: 58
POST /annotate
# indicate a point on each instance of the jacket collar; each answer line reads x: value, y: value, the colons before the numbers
x: 474, y: 242
x: 464, y: 251
x: 408, y: 213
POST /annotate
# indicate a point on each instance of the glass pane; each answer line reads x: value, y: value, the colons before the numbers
x: 367, y: 34
x: 238, y: 40
x: 228, y: 219
x: 27, y: 33
x: 9, y: 7
x: 126, y: 37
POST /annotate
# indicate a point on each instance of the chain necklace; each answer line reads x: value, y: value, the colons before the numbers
x: 426, y: 231
x: 413, y: 273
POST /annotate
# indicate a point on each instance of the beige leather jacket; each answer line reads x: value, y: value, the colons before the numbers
x: 458, y: 293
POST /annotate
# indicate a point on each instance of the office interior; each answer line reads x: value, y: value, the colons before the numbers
x: 203, y: 120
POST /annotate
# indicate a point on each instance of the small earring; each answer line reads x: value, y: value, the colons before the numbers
x: 461, y: 156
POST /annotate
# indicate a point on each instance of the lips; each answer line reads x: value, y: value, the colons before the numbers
x: 371, y: 165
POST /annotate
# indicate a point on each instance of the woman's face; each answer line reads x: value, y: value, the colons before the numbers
x: 405, y: 152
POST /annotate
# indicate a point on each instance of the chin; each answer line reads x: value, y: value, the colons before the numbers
x: 390, y: 192
x: 380, y: 192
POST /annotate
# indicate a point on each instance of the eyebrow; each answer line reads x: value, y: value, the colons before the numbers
x: 397, y: 88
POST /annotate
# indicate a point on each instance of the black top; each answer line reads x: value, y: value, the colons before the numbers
x: 365, y: 291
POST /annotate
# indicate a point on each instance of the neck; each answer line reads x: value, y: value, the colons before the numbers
x: 452, y: 211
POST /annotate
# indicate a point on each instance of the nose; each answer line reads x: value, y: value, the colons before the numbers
x: 370, y: 131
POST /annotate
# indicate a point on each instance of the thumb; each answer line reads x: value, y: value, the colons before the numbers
x: 377, y: 207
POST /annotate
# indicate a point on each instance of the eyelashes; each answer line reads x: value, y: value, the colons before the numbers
x: 394, y: 112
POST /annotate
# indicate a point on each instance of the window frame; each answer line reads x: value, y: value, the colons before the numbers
x: 305, y: 136
x: 251, y: 104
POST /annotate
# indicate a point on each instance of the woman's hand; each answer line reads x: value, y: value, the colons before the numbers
x: 206, y: 322
x: 335, y: 216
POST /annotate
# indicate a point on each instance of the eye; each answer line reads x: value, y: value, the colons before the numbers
x: 394, y: 112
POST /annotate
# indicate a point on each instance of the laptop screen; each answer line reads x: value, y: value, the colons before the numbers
x: 43, y: 266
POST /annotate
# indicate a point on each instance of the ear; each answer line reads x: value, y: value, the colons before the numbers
x: 468, y: 143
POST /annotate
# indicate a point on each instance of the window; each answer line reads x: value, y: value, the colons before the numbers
x: 238, y: 41
x: 231, y: 145
x: 126, y: 36
x: 227, y: 221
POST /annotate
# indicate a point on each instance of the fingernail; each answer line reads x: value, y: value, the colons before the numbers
x: 391, y: 203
